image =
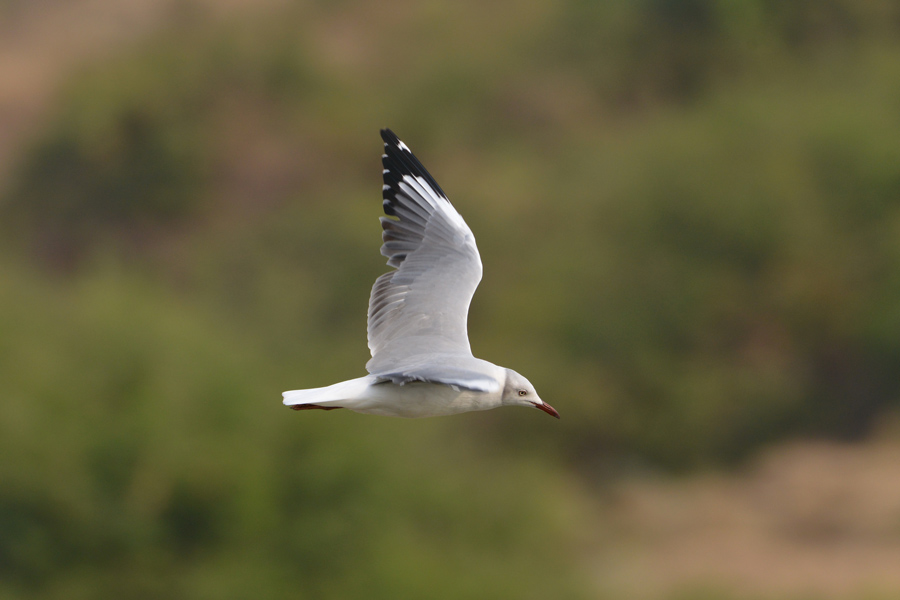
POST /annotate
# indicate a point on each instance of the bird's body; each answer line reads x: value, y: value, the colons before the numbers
x: 415, y: 399
x: 421, y: 362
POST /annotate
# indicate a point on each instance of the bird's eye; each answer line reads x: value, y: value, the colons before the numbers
x: 522, y: 392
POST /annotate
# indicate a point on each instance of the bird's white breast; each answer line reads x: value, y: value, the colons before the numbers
x: 422, y: 399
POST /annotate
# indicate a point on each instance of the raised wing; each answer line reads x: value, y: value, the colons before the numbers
x: 421, y: 308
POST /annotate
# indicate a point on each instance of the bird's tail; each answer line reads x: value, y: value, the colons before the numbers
x: 327, y: 398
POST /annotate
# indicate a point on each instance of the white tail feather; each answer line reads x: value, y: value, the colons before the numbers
x: 345, y: 391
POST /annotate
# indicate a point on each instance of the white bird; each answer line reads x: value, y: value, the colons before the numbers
x: 422, y: 365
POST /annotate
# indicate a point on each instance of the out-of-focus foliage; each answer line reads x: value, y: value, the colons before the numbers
x: 146, y: 455
x: 689, y: 214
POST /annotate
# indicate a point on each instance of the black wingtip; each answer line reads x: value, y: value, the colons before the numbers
x: 389, y: 136
x: 398, y: 160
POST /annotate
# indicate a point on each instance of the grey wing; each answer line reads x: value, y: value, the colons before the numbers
x: 458, y: 371
x: 421, y: 308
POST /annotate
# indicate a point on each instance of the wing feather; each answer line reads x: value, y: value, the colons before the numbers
x: 422, y: 306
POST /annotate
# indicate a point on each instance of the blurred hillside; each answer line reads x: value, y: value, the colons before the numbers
x: 688, y: 211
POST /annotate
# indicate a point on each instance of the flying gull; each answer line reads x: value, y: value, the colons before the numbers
x: 422, y: 365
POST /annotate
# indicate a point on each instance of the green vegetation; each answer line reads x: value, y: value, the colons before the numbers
x: 146, y: 454
x: 689, y: 214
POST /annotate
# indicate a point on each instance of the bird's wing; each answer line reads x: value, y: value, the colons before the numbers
x: 461, y: 372
x: 420, y: 308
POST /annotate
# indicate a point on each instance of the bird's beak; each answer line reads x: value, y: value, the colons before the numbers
x: 546, y: 408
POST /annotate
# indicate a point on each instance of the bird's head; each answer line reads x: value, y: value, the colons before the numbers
x: 518, y: 391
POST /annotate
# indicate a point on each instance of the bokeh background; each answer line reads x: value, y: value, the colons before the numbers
x: 689, y: 216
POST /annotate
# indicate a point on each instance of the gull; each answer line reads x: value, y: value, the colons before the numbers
x: 422, y: 365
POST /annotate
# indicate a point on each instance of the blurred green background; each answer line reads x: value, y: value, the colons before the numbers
x: 689, y: 217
